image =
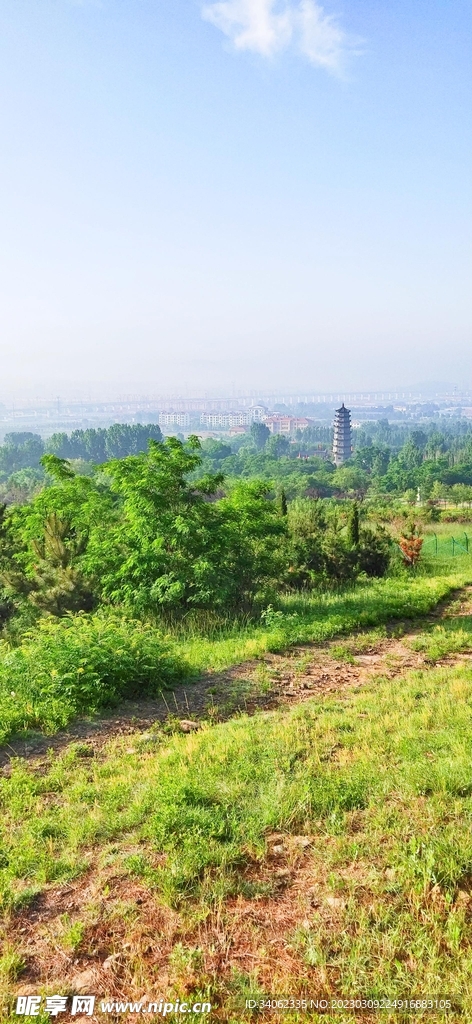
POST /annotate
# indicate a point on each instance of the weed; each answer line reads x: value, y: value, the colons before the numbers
x: 11, y: 964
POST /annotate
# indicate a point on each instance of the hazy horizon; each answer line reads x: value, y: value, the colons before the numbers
x: 235, y: 195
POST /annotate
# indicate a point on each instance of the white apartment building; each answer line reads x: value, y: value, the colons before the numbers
x: 241, y: 418
x: 174, y: 419
x: 224, y: 420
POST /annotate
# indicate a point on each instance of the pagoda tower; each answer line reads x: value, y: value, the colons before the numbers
x: 342, y: 441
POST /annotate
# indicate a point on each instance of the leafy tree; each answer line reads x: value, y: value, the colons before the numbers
x: 20, y: 450
x: 98, y: 445
x: 277, y: 445
x: 58, y: 468
x: 349, y: 478
x: 260, y: 434
x: 176, y: 546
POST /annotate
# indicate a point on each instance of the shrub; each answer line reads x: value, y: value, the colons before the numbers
x: 78, y: 665
x: 374, y: 552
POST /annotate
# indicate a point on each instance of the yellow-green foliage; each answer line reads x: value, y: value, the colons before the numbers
x: 82, y: 663
x: 78, y: 665
x: 395, y: 760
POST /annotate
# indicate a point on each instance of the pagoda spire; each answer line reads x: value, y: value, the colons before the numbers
x: 342, y: 440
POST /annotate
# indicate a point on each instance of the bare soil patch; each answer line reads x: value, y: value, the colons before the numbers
x: 274, y: 680
x: 130, y: 945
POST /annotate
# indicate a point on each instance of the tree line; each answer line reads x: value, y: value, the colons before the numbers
x: 23, y: 449
x: 387, y: 459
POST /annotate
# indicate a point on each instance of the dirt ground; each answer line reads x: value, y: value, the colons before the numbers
x: 272, y: 681
x: 244, y: 933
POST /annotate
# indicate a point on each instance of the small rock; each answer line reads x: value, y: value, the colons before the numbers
x: 187, y: 726
x: 277, y: 850
x: 302, y: 841
x: 84, y: 982
x: 335, y: 902
x: 390, y: 874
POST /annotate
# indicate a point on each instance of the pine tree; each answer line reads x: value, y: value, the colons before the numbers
x: 353, y: 529
x: 282, y: 502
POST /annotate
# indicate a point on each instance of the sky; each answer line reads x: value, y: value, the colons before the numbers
x: 200, y: 195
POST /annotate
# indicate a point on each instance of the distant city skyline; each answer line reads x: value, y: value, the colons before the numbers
x: 207, y: 412
x: 424, y: 391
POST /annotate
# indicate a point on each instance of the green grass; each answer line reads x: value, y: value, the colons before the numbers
x: 314, y: 618
x: 381, y: 782
x: 453, y: 636
x: 438, y: 548
x: 79, y: 665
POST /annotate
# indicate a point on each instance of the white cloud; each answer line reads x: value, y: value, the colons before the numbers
x: 252, y: 24
x: 321, y: 38
x: 267, y: 26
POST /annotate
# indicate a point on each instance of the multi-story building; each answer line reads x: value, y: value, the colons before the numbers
x: 174, y: 419
x: 258, y: 413
x: 225, y: 420
x: 279, y: 424
x: 342, y: 441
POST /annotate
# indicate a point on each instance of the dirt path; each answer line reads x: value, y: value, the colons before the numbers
x: 132, y: 941
x: 272, y: 681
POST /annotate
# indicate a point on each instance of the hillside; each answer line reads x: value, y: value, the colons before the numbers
x: 319, y: 848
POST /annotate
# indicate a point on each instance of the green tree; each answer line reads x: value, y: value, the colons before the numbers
x: 353, y: 528
x: 175, y: 544
x: 277, y: 446
x: 260, y: 434
x: 282, y: 502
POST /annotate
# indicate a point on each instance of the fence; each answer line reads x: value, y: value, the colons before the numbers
x: 446, y: 546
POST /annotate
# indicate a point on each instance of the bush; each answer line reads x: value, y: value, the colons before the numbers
x: 79, y: 665
x: 374, y: 552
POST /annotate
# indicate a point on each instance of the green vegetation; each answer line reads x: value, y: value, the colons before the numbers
x: 149, y: 536
x: 79, y: 665
x: 83, y: 663
x: 392, y: 460
x: 21, y: 473
x: 118, y: 584
x: 155, y: 568
x: 379, y: 787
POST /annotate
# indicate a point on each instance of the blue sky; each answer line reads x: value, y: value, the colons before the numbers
x: 236, y: 194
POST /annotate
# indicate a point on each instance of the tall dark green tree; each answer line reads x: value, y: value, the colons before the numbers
x: 282, y: 502
x: 353, y: 528
x: 260, y: 433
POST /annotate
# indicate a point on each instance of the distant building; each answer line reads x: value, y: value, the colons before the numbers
x: 224, y: 420
x: 342, y: 441
x: 279, y: 424
x: 174, y: 419
x: 258, y: 413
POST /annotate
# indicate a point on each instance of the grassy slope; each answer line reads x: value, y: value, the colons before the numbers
x: 316, y: 618
x: 79, y: 666
x: 381, y: 781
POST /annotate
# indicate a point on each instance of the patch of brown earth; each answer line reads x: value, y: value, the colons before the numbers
x: 134, y: 948
x: 272, y: 681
